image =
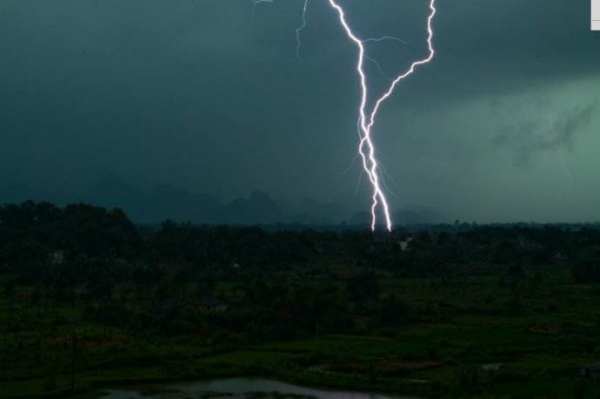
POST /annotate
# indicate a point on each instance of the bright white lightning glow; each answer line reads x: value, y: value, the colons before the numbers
x: 367, y: 119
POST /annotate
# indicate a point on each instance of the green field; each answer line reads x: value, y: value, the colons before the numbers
x: 461, y: 337
x: 89, y: 301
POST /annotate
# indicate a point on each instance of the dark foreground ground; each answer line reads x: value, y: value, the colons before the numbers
x: 88, y: 300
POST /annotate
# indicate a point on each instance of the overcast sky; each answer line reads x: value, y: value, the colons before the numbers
x: 209, y: 96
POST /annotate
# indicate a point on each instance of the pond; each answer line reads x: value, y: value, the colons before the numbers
x: 239, y: 388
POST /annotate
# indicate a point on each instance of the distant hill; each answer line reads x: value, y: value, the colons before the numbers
x: 161, y: 202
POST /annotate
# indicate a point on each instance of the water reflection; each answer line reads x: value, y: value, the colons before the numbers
x: 240, y: 388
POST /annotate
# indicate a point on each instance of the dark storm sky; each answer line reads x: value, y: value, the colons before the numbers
x: 208, y: 96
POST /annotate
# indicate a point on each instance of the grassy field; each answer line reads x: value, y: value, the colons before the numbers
x: 467, y: 337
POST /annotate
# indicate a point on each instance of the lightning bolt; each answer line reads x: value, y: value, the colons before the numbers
x: 367, y: 118
x: 384, y: 38
x: 301, y: 28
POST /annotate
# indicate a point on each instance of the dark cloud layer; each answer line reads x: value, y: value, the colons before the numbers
x: 209, y: 97
x: 534, y: 136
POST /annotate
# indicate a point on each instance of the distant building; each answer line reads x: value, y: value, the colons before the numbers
x: 57, y: 257
x: 404, y: 245
x: 491, y: 367
x: 211, y: 304
x: 560, y: 257
x: 591, y: 371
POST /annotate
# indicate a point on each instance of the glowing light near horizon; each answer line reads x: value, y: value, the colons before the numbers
x: 367, y: 119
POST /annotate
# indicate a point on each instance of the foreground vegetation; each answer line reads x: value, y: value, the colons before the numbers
x: 88, y: 300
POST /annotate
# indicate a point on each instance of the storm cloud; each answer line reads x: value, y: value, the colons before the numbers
x: 209, y: 97
x: 553, y: 133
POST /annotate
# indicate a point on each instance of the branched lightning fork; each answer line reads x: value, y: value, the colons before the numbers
x: 301, y: 28
x: 383, y: 39
x: 367, y: 118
